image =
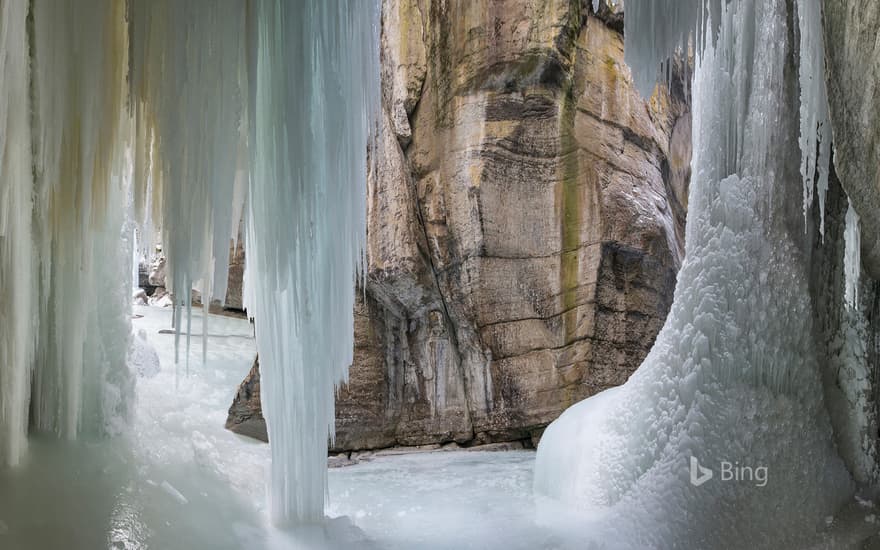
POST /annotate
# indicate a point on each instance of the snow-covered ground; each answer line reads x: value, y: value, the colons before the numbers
x: 179, y: 480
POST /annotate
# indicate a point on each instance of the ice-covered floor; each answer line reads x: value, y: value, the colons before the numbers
x: 179, y: 480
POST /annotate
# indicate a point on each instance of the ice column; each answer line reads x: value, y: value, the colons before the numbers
x: 18, y: 287
x: 80, y: 130
x: 64, y: 264
x: 315, y: 86
x: 852, y: 258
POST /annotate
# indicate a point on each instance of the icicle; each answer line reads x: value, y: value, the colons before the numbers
x: 315, y: 83
x: 852, y: 258
x: 656, y: 30
x: 815, y: 126
x: 80, y: 133
x: 275, y: 127
x: 188, y: 93
x: 65, y: 254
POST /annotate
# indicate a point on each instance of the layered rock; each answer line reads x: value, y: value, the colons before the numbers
x: 525, y: 222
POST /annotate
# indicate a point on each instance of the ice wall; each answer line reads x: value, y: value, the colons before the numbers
x: 733, y: 376
x: 64, y: 192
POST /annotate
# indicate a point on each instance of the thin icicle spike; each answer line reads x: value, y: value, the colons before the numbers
x: 852, y: 258
x: 815, y: 126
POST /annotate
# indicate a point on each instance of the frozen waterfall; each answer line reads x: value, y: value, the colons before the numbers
x: 307, y: 224
x: 64, y: 189
x: 186, y: 117
x: 733, y: 378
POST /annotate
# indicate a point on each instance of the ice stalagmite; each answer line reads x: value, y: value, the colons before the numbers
x: 733, y: 380
x: 314, y: 84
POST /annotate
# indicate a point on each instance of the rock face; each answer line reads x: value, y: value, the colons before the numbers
x: 853, y: 77
x: 525, y: 222
x: 235, y: 280
x: 246, y: 413
x: 851, y: 336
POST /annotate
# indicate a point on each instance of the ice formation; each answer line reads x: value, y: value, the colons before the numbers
x: 176, y: 114
x: 306, y: 224
x: 63, y: 182
x: 815, y: 126
x: 17, y: 262
x: 188, y: 92
x: 852, y: 259
x: 733, y: 377
x: 285, y: 92
x: 664, y: 30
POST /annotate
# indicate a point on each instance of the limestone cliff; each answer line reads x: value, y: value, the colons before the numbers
x: 525, y: 222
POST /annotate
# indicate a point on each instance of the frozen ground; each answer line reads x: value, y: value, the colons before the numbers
x: 181, y: 481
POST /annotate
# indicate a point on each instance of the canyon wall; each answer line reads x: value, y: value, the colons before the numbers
x: 526, y: 213
x: 852, y: 54
x: 525, y: 224
x: 850, y: 336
